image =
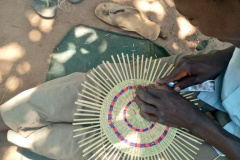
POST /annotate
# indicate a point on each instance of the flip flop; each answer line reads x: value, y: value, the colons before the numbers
x: 45, y: 8
x: 74, y: 1
x: 127, y: 18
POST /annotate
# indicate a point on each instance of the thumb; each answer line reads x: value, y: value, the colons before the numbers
x: 177, y: 74
x: 184, y: 83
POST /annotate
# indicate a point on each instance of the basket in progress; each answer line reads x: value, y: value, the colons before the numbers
x: 111, y: 119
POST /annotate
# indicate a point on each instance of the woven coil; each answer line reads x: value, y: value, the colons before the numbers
x: 111, y: 117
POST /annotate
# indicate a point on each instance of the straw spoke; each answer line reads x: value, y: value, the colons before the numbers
x: 107, y: 116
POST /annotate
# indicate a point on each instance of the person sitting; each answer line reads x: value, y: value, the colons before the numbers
x: 40, y: 119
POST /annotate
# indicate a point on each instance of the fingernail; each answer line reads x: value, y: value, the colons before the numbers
x: 134, y: 95
x: 177, y: 89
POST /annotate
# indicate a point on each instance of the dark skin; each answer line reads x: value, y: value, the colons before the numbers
x: 214, y: 18
x: 160, y: 103
x: 163, y: 105
x: 195, y: 69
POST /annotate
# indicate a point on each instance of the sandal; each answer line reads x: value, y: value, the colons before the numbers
x: 74, y: 1
x: 128, y: 19
x: 45, y: 8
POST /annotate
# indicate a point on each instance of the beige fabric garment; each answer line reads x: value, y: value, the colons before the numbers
x: 41, y: 117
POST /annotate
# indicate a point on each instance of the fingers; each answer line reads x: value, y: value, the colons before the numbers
x: 181, y: 76
x: 144, y: 107
x: 148, y: 117
x: 158, y: 90
x: 148, y: 110
x: 154, y: 94
x: 146, y: 97
x: 189, y: 81
x: 177, y: 74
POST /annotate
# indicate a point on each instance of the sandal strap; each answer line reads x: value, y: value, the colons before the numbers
x: 47, y: 1
x: 111, y: 15
x: 131, y: 8
x: 128, y: 29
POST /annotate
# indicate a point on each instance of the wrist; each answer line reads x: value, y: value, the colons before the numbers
x: 201, y: 126
x: 216, y: 136
x: 207, y: 130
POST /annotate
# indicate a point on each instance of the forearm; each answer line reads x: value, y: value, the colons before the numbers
x: 216, y: 136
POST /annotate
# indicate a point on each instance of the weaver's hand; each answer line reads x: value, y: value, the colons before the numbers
x: 162, y: 104
x: 195, y: 69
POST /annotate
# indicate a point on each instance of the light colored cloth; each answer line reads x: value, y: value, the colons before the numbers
x: 227, y: 94
x: 214, y: 98
x: 231, y: 89
x: 41, y: 118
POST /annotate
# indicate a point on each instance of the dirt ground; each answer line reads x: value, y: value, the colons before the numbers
x: 27, y: 41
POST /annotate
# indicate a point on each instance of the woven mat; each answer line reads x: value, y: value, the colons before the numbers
x: 84, y: 47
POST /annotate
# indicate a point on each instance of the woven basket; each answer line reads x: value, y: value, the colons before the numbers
x: 111, y: 119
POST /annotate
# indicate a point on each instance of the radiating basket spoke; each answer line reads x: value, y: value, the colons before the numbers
x: 110, y: 121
